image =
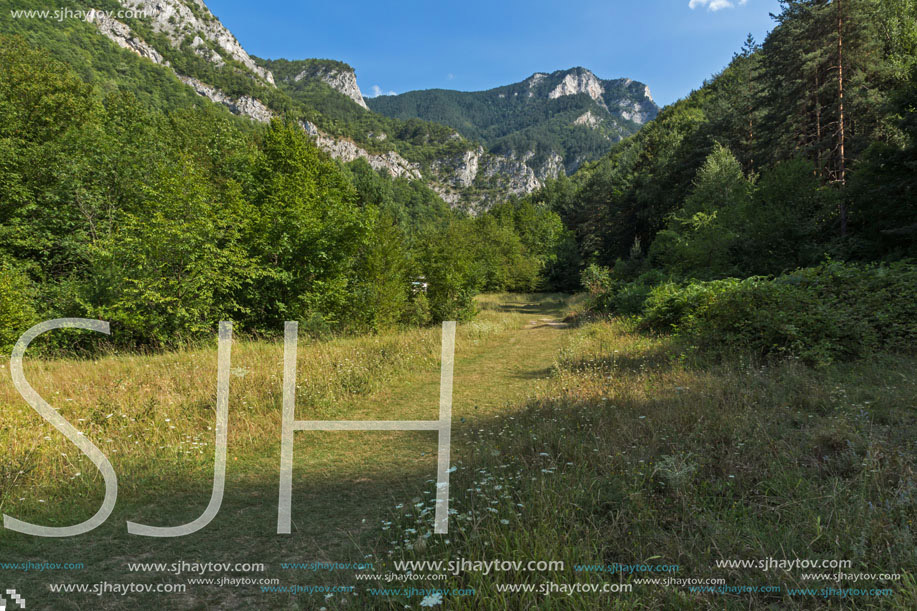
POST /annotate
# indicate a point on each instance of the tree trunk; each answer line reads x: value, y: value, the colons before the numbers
x: 818, y: 141
x: 842, y: 159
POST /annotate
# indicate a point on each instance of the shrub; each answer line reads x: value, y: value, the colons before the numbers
x: 417, y: 311
x: 774, y: 318
x: 883, y: 297
x: 820, y: 315
x: 669, y: 304
x: 596, y: 279
x: 17, y: 313
x: 606, y: 294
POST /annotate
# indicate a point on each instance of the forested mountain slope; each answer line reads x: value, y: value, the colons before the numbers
x: 168, y: 52
x: 774, y: 163
x: 554, y: 121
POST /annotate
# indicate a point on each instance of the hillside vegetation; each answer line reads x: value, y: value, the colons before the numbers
x: 781, y: 162
x: 166, y: 222
x: 523, y: 118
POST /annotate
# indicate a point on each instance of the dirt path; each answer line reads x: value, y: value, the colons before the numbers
x: 344, y: 483
x: 369, y: 472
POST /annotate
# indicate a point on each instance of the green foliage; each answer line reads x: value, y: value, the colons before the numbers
x: 95, y: 59
x: 447, y: 262
x: 306, y: 230
x: 780, y: 227
x: 411, y: 204
x: 502, y: 257
x: 628, y: 194
x: 702, y: 235
x: 773, y: 318
x: 730, y: 225
x: 307, y: 97
x: 383, y: 278
x: 522, y: 118
x: 823, y: 314
x: 17, y: 312
x: 287, y: 70
x: 596, y: 279
x: 174, y: 270
x: 100, y: 62
x: 166, y: 223
x: 670, y: 303
x: 608, y: 293
x: 813, y: 188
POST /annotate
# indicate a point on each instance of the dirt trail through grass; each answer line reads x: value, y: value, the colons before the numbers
x: 372, y: 470
x: 344, y: 483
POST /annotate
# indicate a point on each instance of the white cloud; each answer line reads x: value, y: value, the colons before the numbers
x: 450, y: 76
x: 715, y: 5
x: 376, y: 91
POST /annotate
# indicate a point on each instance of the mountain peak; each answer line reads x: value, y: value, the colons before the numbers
x: 579, y: 80
x: 336, y: 74
x: 209, y: 39
x: 523, y: 119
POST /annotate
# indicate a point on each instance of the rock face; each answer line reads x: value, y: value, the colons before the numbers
x: 245, y: 105
x: 477, y: 169
x: 600, y: 113
x: 461, y: 170
x: 552, y: 167
x: 454, y: 178
x: 209, y: 38
x: 473, y: 178
x: 122, y: 35
x: 635, y: 112
x: 588, y: 119
x: 344, y: 81
x: 516, y: 177
x: 638, y: 105
x: 579, y: 81
x: 624, y: 97
x: 346, y: 151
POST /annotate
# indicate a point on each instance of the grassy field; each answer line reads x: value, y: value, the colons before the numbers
x: 590, y: 445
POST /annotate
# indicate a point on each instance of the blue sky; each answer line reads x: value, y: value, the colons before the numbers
x: 401, y: 45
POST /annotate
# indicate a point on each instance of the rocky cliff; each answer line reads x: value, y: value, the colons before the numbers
x: 343, y: 80
x: 472, y: 178
x: 532, y: 119
x: 180, y: 21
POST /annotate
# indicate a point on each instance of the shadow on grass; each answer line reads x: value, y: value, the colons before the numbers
x: 329, y: 509
x: 656, y: 358
x: 534, y: 374
x: 334, y: 520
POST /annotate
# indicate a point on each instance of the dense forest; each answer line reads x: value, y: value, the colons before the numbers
x: 792, y: 172
x: 774, y: 207
x: 166, y: 221
x: 519, y: 119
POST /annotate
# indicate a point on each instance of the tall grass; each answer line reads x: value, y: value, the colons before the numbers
x: 635, y: 453
x: 627, y: 450
x: 153, y: 415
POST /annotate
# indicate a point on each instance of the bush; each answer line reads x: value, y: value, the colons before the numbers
x: 774, y: 318
x: 617, y: 297
x: 630, y: 299
x: 669, y: 304
x: 17, y: 313
x: 596, y: 279
x: 883, y: 297
x: 417, y: 311
x: 820, y: 315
